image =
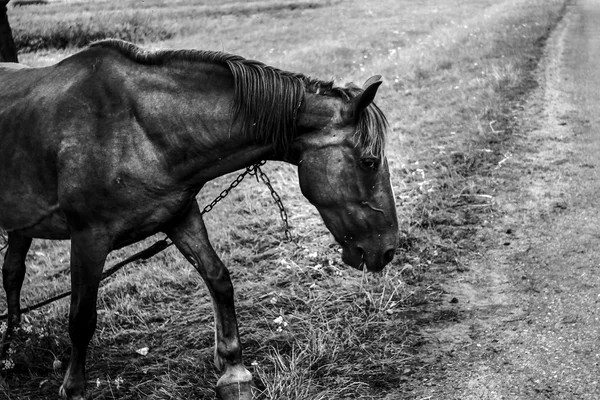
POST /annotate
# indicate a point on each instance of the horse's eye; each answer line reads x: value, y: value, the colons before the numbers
x: 369, y: 163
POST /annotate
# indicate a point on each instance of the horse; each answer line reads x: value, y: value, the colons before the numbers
x: 113, y: 144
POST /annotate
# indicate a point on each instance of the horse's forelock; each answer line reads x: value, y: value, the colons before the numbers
x: 372, y: 130
x: 372, y: 125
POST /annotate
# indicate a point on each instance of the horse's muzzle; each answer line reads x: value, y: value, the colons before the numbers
x: 374, y: 260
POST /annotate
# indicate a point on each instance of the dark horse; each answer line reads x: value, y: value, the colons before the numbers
x: 112, y: 145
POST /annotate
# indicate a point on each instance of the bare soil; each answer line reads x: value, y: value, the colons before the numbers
x: 522, y: 322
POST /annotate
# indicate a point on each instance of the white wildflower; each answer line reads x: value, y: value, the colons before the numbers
x: 7, y: 364
x: 143, y: 351
x: 42, y: 333
x: 281, y: 323
x: 118, y: 382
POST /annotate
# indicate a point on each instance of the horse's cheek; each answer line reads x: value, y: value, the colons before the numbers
x: 311, y: 181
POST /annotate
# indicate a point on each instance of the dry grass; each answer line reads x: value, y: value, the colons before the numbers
x: 60, y: 25
x: 454, y: 72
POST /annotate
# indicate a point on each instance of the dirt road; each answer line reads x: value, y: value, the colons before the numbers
x: 528, y: 311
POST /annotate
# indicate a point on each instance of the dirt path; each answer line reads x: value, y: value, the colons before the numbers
x: 529, y: 307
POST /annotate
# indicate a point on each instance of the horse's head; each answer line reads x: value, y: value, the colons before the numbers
x: 344, y: 173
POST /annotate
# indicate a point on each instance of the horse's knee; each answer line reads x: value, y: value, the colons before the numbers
x: 219, y: 282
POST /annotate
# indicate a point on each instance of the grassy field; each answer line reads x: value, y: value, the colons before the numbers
x: 56, y: 26
x: 454, y: 73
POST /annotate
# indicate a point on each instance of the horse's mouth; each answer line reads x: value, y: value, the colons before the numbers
x: 353, y: 258
x: 359, y: 258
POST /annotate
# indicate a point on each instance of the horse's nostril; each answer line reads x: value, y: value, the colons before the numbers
x: 389, y: 256
x: 361, y: 251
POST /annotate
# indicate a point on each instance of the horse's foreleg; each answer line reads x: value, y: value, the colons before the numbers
x: 88, y: 253
x: 190, y: 237
x: 13, y: 273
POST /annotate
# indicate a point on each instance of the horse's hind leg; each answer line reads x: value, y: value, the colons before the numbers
x: 13, y: 273
x: 190, y: 237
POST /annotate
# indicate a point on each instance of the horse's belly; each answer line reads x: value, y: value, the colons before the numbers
x: 38, y: 221
x: 53, y: 226
x: 25, y: 209
x: 28, y: 183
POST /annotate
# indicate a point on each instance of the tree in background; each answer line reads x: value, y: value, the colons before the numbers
x: 8, y: 52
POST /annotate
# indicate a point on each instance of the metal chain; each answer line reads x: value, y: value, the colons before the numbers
x: 282, y: 211
x: 255, y: 170
x: 249, y: 170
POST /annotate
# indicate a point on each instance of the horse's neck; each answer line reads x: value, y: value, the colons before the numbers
x: 319, y: 111
x: 315, y: 122
x: 193, y: 123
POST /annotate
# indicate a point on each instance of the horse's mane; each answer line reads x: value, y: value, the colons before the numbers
x: 267, y: 100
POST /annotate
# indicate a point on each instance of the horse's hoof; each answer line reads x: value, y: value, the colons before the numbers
x: 235, y: 391
x: 63, y: 395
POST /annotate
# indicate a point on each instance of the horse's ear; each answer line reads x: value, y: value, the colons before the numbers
x: 358, y: 104
x: 371, y: 80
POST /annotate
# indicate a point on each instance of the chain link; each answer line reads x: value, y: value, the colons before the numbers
x: 255, y: 170
x: 282, y: 211
x: 249, y: 170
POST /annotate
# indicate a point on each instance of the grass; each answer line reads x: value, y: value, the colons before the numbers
x: 59, y: 25
x: 454, y: 72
